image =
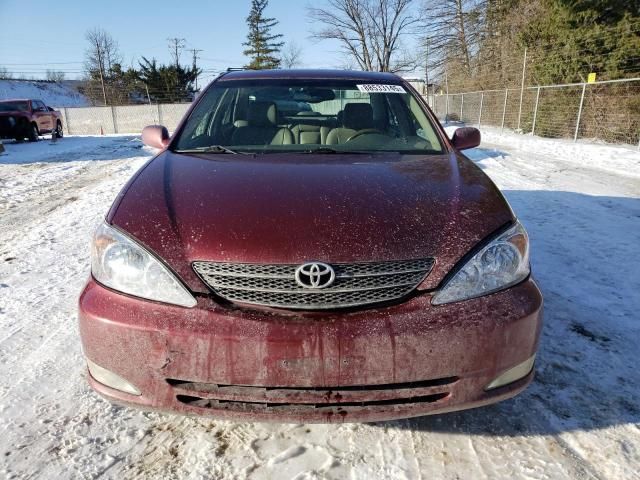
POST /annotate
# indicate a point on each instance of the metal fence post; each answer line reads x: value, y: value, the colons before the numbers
x: 480, y: 112
x: 535, y: 112
x: 66, y: 120
x: 575, y: 136
x: 461, y: 106
x: 504, y: 108
x: 113, y: 118
x: 446, y: 114
x: 160, y: 120
x: 524, y: 67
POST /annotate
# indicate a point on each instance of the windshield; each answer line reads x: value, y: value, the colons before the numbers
x: 308, y: 116
x: 14, y: 106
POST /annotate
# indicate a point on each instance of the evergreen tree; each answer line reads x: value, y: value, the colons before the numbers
x: 573, y: 38
x: 168, y: 83
x: 480, y: 43
x: 262, y: 46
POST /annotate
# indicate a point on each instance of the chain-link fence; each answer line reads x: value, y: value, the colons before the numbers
x: 121, y: 119
x: 607, y: 111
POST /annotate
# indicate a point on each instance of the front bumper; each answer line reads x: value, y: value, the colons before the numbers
x: 399, y: 361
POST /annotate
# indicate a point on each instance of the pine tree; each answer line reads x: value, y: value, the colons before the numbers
x: 263, y: 46
x: 168, y: 83
x: 574, y: 38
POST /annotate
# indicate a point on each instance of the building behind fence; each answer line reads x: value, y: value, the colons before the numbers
x: 607, y: 111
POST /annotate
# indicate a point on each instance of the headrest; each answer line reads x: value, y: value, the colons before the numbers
x: 357, y: 116
x: 262, y: 114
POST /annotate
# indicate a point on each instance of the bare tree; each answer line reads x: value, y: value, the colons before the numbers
x: 103, y: 51
x: 453, y: 29
x: 5, y: 74
x: 55, y: 76
x: 102, y: 57
x: 175, y: 45
x: 291, y: 55
x: 370, y: 31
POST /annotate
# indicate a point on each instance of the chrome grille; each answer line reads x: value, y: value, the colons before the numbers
x: 274, y: 285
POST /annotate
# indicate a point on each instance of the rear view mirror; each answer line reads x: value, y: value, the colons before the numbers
x: 156, y: 136
x: 314, y: 95
x: 466, y: 137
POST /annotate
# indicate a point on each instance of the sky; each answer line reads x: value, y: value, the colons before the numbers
x: 51, y: 34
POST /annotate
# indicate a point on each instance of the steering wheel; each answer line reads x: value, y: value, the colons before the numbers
x: 364, y: 132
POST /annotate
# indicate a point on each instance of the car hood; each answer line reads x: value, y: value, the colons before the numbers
x: 293, y: 208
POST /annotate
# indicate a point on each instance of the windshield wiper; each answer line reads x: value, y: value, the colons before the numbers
x: 211, y: 149
x: 333, y: 150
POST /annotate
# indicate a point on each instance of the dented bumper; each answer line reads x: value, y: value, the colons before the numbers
x: 399, y: 361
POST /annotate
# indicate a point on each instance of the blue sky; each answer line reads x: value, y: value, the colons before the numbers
x: 51, y: 34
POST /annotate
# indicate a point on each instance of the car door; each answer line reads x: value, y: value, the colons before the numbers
x: 42, y: 116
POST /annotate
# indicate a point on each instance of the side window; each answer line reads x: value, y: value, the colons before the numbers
x: 203, y: 125
x: 229, y: 108
x: 394, y: 125
x: 198, y: 127
x: 422, y: 125
x: 40, y: 106
x: 403, y: 123
x: 221, y: 117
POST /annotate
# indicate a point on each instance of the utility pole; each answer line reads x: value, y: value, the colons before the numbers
x: 175, y: 45
x: 100, y: 64
x: 195, y: 51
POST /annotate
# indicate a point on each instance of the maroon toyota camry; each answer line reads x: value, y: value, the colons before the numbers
x: 310, y: 246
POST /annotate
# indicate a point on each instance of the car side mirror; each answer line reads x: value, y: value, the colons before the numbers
x: 156, y: 136
x: 466, y: 137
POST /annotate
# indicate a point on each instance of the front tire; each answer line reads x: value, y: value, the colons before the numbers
x: 32, y: 133
x: 58, y: 133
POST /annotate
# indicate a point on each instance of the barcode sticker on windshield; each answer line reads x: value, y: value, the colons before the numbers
x: 381, y: 88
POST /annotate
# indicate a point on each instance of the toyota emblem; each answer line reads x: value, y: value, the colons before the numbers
x: 315, y: 275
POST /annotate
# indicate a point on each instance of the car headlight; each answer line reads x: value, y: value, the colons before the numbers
x: 501, y: 263
x: 118, y: 262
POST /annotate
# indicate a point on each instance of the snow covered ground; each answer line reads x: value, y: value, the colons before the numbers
x: 580, y: 418
x: 53, y: 94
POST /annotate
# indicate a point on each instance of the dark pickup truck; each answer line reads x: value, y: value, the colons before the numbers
x: 28, y: 119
